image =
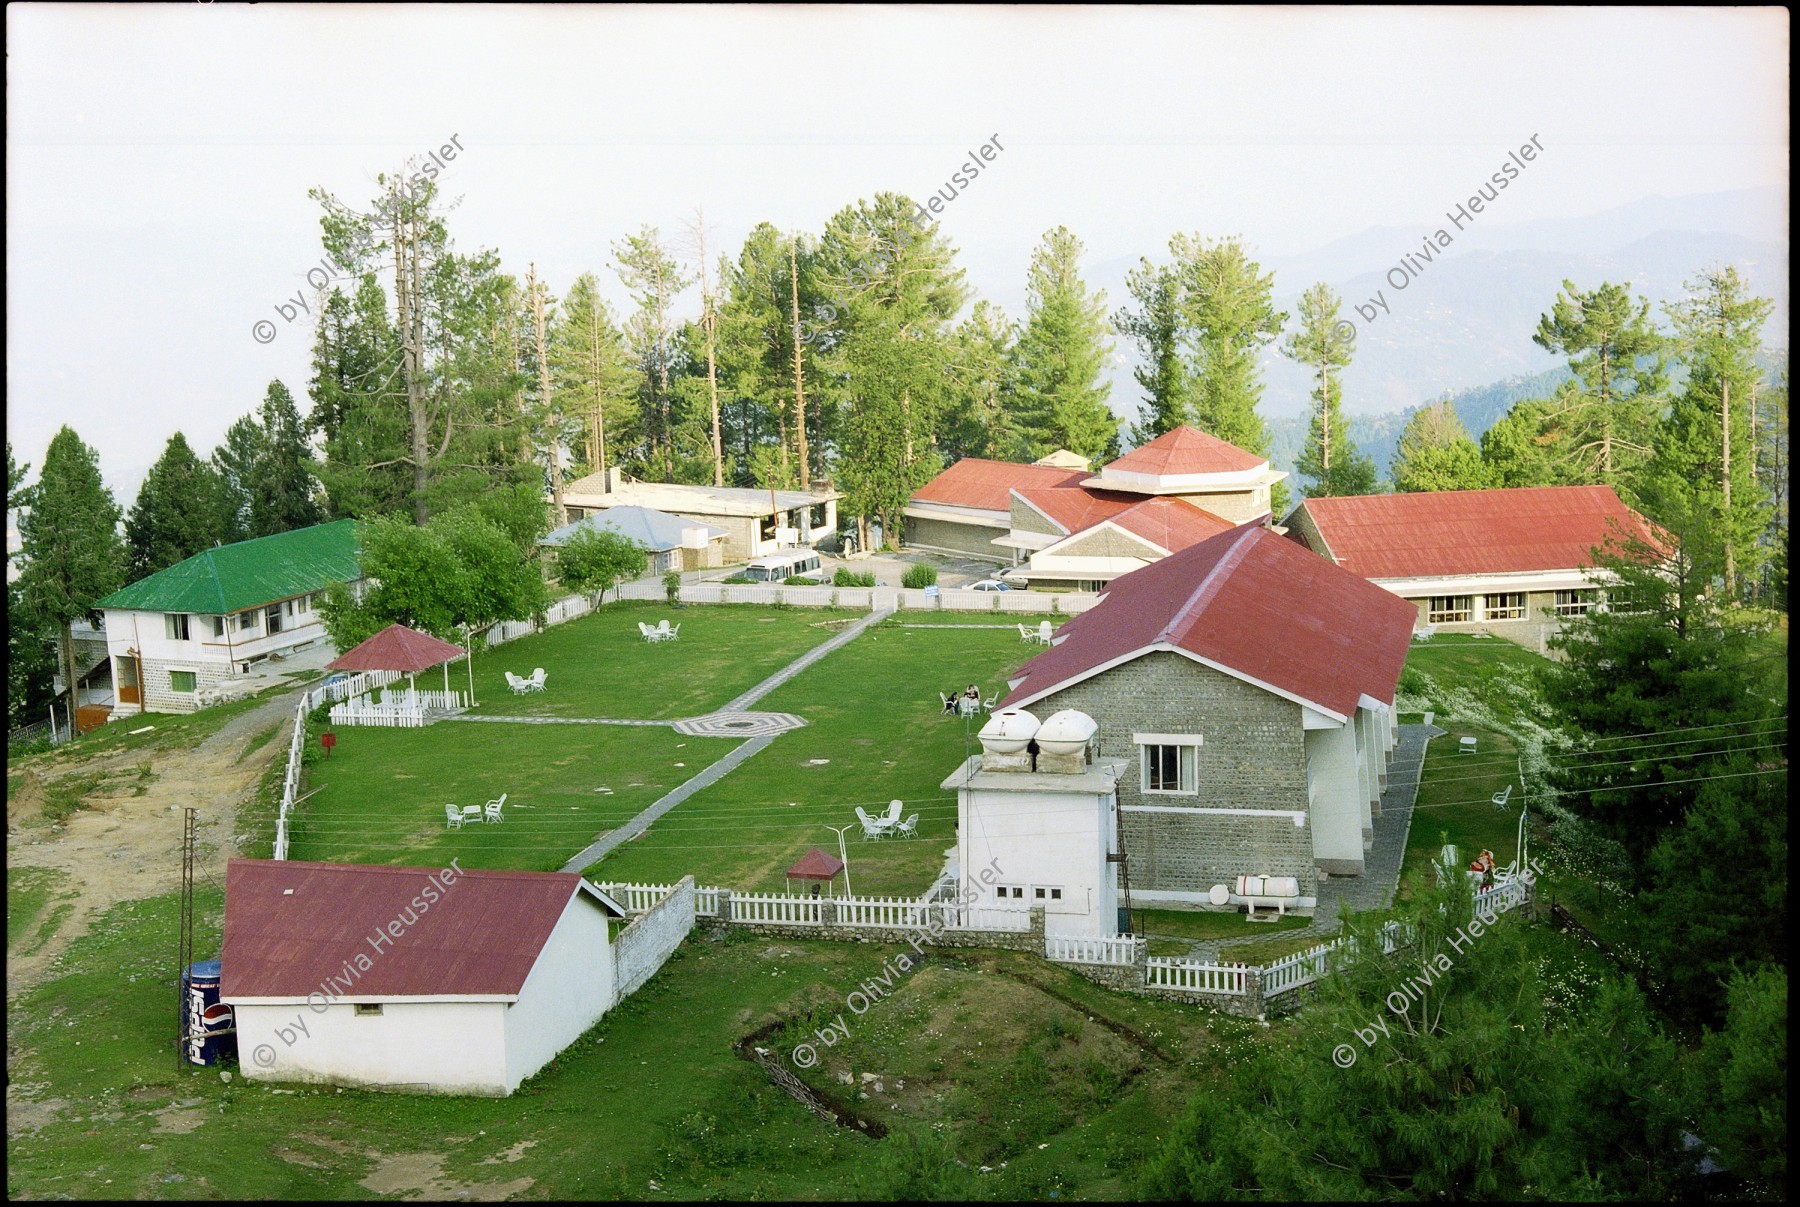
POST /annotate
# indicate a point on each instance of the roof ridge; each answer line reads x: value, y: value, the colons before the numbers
x: 1208, y: 586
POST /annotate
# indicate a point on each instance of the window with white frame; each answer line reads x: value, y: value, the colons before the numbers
x: 1170, y: 766
x: 175, y: 626
x: 1507, y: 606
x: 1575, y: 603
x: 1450, y: 609
x: 246, y: 622
x: 304, y: 604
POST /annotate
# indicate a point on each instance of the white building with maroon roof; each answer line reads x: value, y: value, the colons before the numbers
x: 1245, y: 689
x: 1513, y: 563
x: 1078, y: 530
x: 439, y: 980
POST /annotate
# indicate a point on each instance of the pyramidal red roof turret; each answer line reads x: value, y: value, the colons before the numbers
x: 1186, y: 450
x: 397, y: 648
x: 1250, y: 603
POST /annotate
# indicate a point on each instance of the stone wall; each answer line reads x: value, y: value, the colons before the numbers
x: 642, y: 947
x: 1252, y: 756
x: 158, y: 696
x: 949, y: 536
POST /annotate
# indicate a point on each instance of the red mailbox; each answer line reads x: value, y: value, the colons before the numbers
x: 328, y: 740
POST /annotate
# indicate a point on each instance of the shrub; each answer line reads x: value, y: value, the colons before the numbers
x: 846, y: 577
x: 672, y: 586
x: 919, y: 575
x: 799, y: 580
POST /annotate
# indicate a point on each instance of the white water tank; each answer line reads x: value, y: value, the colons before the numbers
x: 1008, y: 731
x: 1066, y: 732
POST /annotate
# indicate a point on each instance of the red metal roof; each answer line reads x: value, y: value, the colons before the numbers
x: 1172, y: 524
x: 816, y: 865
x: 1074, y: 507
x: 481, y: 935
x: 1248, y: 600
x: 1434, y: 534
x: 397, y: 648
x: 975, y: 482
x: 1187, y: 450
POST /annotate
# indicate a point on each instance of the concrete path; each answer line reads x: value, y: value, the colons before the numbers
x: 736, y: 712
x: 557, y: 720
x: 743, y: 702
x: 1374, y: 889
x: 595, y: 851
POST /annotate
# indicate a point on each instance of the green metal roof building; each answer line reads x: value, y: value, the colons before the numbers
x: 232, y: 578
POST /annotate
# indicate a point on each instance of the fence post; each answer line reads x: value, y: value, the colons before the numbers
x: 828, y: 912
x: 725, y: 905
x: 1253, y: 992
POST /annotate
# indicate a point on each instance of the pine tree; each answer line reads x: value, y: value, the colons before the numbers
x: 1704, y: 446
x: 1061, y: 356
x: 1436, y: 453
x: 69, y: 543
x: 1530, y: 444
x: 1231, y: 316
x: 1159, y: 329
x: 178, y: 511
x: 894, y: 293
x: 235, y: 461
x: 1331, y: 459
x: 359, y: 411
x: 1607, y: 423
x: 982, y: 417
x: 655, y: 279
x: 281, y: 488
x: 593, y: 373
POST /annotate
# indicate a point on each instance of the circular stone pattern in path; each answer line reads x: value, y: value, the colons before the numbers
x: 739, y: 724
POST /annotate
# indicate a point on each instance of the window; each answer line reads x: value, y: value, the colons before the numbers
x: 181, y: 681
x: 274, y: 617
x: 246, y: 622
x: 1575, y: 603
x: 304, y: 604
x: 218, y: 626
x: 1509, y: 606
x: 175, y: 626
x: 1449, y: 609
x: 1044, y: 892
x: 368, y: 1009
x: 1010, y: 892
x: 1170, y: 768
x: 1620, y: 601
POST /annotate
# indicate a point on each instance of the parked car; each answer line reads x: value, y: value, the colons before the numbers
x: 990, y: 584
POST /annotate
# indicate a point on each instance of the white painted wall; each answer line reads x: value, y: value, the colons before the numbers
x: 1336, y: 786
x: 1034, y: 836
x: 567, y: 991
x: 450, y: 1047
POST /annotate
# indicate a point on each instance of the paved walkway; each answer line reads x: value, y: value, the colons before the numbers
x: 743, y: 702
x: 557, y: 720
x: 1374, y: 889
x: 597, y: 850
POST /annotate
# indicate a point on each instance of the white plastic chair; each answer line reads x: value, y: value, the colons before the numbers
x: 663, y: 632
x: 1025, y: 634
x: 491, y: 810
x: 893, y: 813
x: 519, y: 686
x: 1502, y: 798
x: 870, y: 827
x: 452, y: 817
x: 909, y: 827
x: 646, y: 632
x: 1043, y: 634
x: 538, y: 675
x: 987, y: 705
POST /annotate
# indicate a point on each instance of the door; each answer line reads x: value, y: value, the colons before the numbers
x: 127, y: 668
x: 274, y: 618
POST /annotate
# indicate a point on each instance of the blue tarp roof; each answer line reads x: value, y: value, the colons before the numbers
x: 655, y: 530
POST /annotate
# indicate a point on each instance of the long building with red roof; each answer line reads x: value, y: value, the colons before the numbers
x: 1065, y: 527
x: 1515, y: 562
x: 1247, y: 687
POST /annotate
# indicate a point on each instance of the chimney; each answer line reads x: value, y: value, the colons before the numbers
x: 614, y: 479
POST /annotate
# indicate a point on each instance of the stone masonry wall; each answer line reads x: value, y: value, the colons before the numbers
x: 643, y: 946
x: 1252, y: 756
x: 160, y: 697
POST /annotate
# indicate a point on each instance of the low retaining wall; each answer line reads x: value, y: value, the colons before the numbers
x: 652, y: 937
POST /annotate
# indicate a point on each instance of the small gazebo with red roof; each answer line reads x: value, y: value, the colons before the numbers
x: 402, y: 650
x: 817, y: 867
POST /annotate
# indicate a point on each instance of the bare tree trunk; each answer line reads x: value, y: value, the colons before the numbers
x: 68, y: 649
x: 799, y: 392
x: 597, y: 438
x: 412, y: 353
x: 1725, y: 485
x: 662, y: 372
x: 709, y: 324
x: 1325, y: 421
x: 552, y: 421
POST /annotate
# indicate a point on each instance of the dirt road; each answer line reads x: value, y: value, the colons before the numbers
x: 124, y: 847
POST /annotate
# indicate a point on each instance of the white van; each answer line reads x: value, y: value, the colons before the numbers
x: 779, y: 567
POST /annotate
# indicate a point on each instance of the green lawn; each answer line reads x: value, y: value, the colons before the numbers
x: 1455, y: 801
x: 599, y: 665
x: 1497, y: 672
x: 381, y: 795
x: 1208, y: 924
x: 36, y: 903
x: 875, y: 721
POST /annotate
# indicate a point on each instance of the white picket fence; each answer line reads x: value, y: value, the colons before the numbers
x: 348, y: 689
x: 1191, y: 976
x: 773, y: 909
x: 290, y: 784
x: 1120, y: 951
x: 1502, y: 896
x: 1301, y: 968
x: 893, y: 913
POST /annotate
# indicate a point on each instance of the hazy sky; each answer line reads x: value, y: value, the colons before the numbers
x: 159, y: 157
